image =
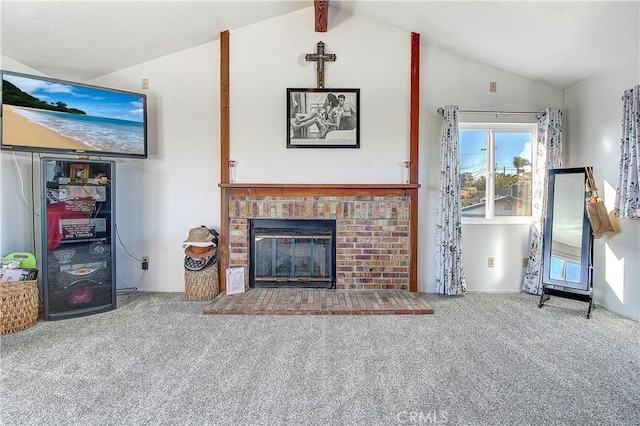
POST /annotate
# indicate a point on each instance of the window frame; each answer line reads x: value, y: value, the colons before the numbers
x: 517, y: 127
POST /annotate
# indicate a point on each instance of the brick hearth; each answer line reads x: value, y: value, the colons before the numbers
x: 373, y: 233
x: 319, y: 302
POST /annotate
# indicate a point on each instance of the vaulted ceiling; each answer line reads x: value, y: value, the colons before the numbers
x: 557, y: 42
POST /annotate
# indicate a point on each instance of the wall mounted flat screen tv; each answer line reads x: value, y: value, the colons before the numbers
x: 41, y: 114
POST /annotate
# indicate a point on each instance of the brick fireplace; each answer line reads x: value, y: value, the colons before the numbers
x: 373, y: 239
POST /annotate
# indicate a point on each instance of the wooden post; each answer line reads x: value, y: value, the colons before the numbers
x: 414, y: 134
x: 414, y: 137
x: 321, y: 15
x: 224, y: 157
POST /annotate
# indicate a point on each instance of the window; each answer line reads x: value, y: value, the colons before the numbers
x: 496, y: 164
x: 564, y: 270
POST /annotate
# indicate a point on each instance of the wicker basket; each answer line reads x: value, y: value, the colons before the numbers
x: 201, y: 285
x: 18, y: 305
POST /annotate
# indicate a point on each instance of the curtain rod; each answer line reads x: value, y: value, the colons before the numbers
x: 441, y: 111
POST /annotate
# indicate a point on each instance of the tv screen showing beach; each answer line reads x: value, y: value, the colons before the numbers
x: 42, y: 114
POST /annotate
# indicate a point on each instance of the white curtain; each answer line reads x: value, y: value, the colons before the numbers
x: 548, y: 156
x: 450, y: 277
x: 627, y: 203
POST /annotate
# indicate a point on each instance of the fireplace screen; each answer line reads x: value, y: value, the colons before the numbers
x: 288, y: 253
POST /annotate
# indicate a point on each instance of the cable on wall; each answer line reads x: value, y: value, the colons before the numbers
x: 24, y: 197
x: 123, y: 246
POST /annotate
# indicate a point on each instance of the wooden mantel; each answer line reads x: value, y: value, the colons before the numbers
x: 319, y: 185
x: 269, y: 189
x: 347, y: 189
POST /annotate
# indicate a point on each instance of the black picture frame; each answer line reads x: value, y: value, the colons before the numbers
x: 323, y: 118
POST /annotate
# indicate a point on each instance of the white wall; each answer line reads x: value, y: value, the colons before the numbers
x: 594, y: 111
x: 370, y: 56
x: 159, y: 199
x: 446, y: 79
x: 449, y: 79
x: 176, y: 188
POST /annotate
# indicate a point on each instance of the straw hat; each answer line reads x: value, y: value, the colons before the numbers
x: 199, y: 235
x: 200, y: 243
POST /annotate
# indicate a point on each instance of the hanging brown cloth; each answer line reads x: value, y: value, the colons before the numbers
x: 596, y: 210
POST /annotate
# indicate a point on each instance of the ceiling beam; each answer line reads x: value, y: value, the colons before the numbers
x: 322, y: 15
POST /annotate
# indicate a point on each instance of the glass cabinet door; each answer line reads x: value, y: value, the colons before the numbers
x: 77, y: 229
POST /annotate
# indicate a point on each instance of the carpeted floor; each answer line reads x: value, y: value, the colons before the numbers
x: 481, y: 359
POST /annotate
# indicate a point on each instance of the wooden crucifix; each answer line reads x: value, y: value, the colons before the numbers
x: 320, y: 57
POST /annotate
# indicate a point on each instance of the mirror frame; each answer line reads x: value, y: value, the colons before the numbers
x: 587, y: 239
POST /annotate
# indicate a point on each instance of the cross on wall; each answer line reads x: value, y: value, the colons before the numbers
x: 320, y: 57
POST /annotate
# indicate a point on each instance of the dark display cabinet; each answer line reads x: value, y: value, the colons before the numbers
x: 78, y: 227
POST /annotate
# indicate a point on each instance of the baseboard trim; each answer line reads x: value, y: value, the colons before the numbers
x: 598, y: 305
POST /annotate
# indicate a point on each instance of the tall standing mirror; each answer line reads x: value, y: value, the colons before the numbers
x: 567, y: 237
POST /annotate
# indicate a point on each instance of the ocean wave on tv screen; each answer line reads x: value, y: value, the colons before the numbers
x: 102, y: 134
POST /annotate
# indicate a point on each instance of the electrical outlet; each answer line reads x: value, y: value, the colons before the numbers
x: 145, y: 83
x: 493, y: 86
x: 145, y: 263
x: 491, y: 262
x: 525, y: 262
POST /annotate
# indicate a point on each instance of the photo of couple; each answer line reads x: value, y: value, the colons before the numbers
x: 325, y: 118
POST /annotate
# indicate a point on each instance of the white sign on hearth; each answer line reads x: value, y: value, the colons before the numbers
x: 235, y: 280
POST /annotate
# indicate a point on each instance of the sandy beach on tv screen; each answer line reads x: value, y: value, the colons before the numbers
x: 18, y: 131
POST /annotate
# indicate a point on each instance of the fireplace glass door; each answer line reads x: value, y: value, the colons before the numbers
x: 288, y: 253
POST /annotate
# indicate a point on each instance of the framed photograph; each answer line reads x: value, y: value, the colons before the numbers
x: 79, y: 172
x: 323, y: 118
